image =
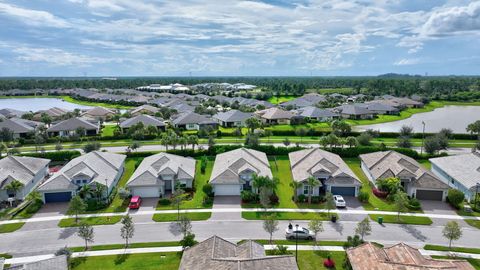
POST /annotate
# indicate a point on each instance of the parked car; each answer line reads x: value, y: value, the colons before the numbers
x: 135, y: 202
x: 301, y: 234
x: 339, y: 201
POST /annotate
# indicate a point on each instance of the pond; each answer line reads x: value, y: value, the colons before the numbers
x: 36, y: 104
x: 456, y: 118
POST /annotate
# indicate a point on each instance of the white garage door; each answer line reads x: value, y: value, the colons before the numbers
x: 223, y: 190
x: 145, y: 192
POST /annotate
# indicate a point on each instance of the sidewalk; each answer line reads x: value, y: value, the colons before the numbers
x: 178, y: 248
x: 236, y: 210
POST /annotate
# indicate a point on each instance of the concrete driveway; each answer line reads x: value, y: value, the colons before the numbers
x: 440, y: 208
x: 148, y: 204
x: 352, y: 204
x: 52, y: 209
x: 227, y: 202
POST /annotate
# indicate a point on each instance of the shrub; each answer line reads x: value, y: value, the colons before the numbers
x: 414, y: 204
x: 363, y: 196
x: 379, y: 193
x: 123, y: 193
x: 390, y: 185
x: 248, y: 196
x: 302, y: 198
x: 208, y: 189
x: 316, y: 199
x: 34, y: 207
x: 55, y: 156
x: 203, y: 164
x: 329, y: 263
x: 455, y: 198
x: 164, y: 201
x: 273, y: 199
x: 207, y: 201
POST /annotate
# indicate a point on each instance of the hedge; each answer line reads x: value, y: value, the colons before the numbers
x: 55, y: 156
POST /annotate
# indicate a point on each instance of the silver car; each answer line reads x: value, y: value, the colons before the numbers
x: 301, y: 234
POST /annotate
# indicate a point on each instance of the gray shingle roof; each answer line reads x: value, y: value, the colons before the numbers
x: 17, y: 125
x: 99, y: 111
x: 219, y: 254
x: 150, y: 170
x: 230, y: 164
x: 101, y: 167
x: 275, y: 113
x: 192, y: 118
x: 232, y: 116
x: 305, y: 163
x: 353, y: 109
x: 147, y: 120
x: 464, y: 168
x: 55, y: 263
x: 72, y: 124
x: 22, y: 169
x: 11, y: 113
x: 144, y: 107
x: 53, y: 112
x: 315, y: 112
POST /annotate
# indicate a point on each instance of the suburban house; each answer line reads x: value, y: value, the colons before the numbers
x: 157, y: 175
x: 398, y: 257
x: 192, y: 121
x: 99, y: 113
x: 314, y: 113
x: 144, y: 109
x: 459, y: 171
x: 94, y: 168
x: 380, y: 108
x: 29, y: 171
x: 232, y: 118
x: 54, y: 263
x: 218, y: 253
x: 417, y: 181
x: 354, y: 111
x: 19, y: 127
x: 275, y: 116
x: 333, y: 173
x: 233, y: 171
x: 145, y: 119
x: 9, y: 113
x: 54, y: 113
x: 306, y: 100
x: 70, y: 127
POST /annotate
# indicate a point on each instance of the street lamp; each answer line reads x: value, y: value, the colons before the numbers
x: 423, y: 137
x: 296, y: 242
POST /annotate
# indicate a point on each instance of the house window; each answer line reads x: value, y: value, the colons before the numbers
x: 306, y: 189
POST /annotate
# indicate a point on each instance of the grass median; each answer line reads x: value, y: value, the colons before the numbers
x: 8, y: 228
x: 286, y: 215
x: 411, y: 220
x: 196, y: 216
x: 93, y: 221
x: 122, y: 246
x: 454, y: 249
x: 144, y: 261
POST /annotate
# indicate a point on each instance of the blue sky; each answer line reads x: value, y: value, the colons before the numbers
x: 223, y: 37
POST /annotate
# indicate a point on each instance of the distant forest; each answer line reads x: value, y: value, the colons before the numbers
x: 461, y: 88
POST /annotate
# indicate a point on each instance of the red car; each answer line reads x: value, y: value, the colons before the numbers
x: 135, y: 202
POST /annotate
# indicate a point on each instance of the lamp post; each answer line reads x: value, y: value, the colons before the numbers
x: 296, y: 242
x: 423, y: 137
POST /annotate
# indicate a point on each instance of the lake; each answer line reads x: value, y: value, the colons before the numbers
x: 36, y: 104
x: 456, y: 118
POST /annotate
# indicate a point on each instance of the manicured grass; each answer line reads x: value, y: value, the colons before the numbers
x: 403, y: 219
x: 173, y: 217
x: 5, y: 255
x: 281, y: 169
x: 280, y: 99
x: 454, y: 249
x: 29, y: 211
x: 108, y: 130
x: 94, y: 221
x: 130, y: 245
x: 285, y: 215
x: 473, y: 223
x: 94, y: 104
x: 144, y: 261
x: 425, y: 163
x: 301, y: 242
x: 198, y: 197
x: 313, y: 260
x: 8, y: 228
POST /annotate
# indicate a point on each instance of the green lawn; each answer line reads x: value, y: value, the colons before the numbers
x: 281, y: 170
x: 200, y: 180
x: 285, y: 215
x: 94, y: 221
x: 301, y: 242
x: 90, y: 103
x: 122, y: 246
x: 473, y: 223
x: 454, y: 249
x: 108, y: 130
x: 29, y: 211
x: 173, y: 217
x: 8, y: 228
x: 403, y: 219
x: 5, y: 255
x: 280, y: 99
x: 313, y: 260
x: 145, y: 261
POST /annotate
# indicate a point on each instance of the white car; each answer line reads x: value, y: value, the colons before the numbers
x: 339, y: 201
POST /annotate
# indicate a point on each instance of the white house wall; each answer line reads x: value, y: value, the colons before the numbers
x: 453, y: 183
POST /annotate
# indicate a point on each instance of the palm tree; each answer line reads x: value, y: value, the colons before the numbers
x: 15, y: 186
x: 164, y: 140
x: 3, y: 148
x: 295, y: 185
x: 193, y: 140
x: 34, y: 196
x: 311, y: 182
x: 85, y: 191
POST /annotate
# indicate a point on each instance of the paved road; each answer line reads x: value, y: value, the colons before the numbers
x: 34, y: 242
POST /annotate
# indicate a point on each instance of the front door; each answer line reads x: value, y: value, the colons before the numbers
x: 168, y: 185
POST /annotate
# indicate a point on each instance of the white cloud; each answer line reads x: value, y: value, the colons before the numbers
x: 32, y: 17
x: 407, y: 61
x: 57, y: 57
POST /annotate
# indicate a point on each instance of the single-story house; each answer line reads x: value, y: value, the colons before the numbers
x: 19, y: 127
x: 306, y: 100
x: 232, y: 118
x: 94, y: 168
x: 417, y: 181
x: 69, y: 127
x: 218, y: 253
x: 99, y: 113
x: 318, y: 114
x: 9, y: 113
x: 144, y: 109
x: 193, y: 121
x: 353, y: 111
x: 29, y: 171
x: 146, y: 119
x: 379, y: 108
x: 157, y: 175
x: 54, y: 113
x: 459, y: 171
x: 275, y: 116
x: 398, y: 257
x: 233, y: 171
x: 333, y: 173
x: 54, y: 263
x: 406, y: 102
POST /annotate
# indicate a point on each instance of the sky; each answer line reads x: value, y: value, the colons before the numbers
x: 239, y: 38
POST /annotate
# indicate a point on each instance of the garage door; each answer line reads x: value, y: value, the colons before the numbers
x: 146, y: 192
x: 225, y: 190
x: 344, y: 191
x: 433, y: 195
x: 58, y: 197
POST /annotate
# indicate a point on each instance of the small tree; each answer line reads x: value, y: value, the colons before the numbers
x: 364, y: 139
x: 455, y: 197
x: 85, y: 231
x: 432, y: 145
x: 264, y: 197
x: 185, y: 225
x: 252, y: 124
x: 329, y: 202
x: 178, y: 196
x: 474, y: 128
x: 92, y: 146
x: 34, y: 196
x: 128, y: 229
x: 270, y: 225
x: 58, y: 146
x: 134, y: 146
x: 3, y: 148
x: 286, y: 142
x: 76, y: 206
x: 267, y: 133
x: 404, y: 142
x: 401, y: 203
x: 188, y: 241
x: 363, y: 228
x: 15, y: 186
x: 301, y: 132
x: 452, y: 231
x: 351, y: 141
x: 295, y: 185
x: 312, y: 182
x: 316, y: 226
